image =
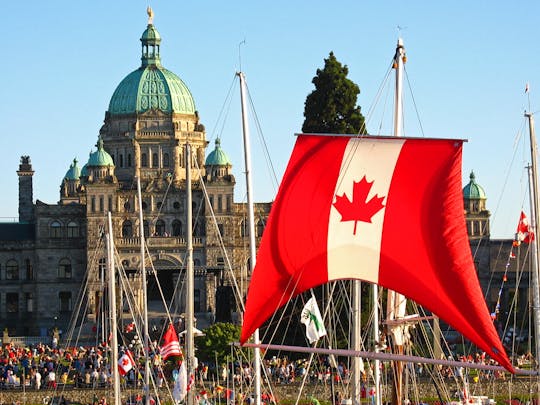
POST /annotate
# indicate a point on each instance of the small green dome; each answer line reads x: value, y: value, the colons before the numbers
x: 84, y: 171
x: 473, y: 191
x: 218, y: 157
x: 74, y: 171
x: 100, y: 157
x: 151, y: 86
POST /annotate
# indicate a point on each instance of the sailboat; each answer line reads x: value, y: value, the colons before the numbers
x: 386, y: 210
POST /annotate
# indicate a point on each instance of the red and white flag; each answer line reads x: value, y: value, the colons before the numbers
x: 125, y: 363
x: 524, y: 232
x: 384, y: 210
x: 171, y: 345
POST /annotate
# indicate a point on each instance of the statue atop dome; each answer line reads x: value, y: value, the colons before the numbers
x: 150, y: 13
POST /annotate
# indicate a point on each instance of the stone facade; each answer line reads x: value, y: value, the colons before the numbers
x: 56, y: 257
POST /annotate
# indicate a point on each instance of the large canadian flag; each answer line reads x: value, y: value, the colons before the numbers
x: 384, y: 210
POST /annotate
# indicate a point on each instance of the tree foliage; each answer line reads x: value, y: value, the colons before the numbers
x: 217, y: 342
x: 331, y: 107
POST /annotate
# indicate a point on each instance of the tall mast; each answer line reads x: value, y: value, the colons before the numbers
x: 190, y: 349
x: 146, y: 340
x: 251, y: 221
x: 112, y: 310
x: 396, y: 303
x: 535, y: 253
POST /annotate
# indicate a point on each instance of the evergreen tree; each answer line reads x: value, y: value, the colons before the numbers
x: 331, y: 107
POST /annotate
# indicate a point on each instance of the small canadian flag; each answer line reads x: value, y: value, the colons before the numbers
x: 125, y: 363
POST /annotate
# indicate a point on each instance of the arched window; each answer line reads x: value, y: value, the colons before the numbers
x: 55, y: 229
x: 73, y: 230
x: 144, y: 160
x: 260, y: 227
x: 166, y: 160
x: 177, y: 228
x: 64, y: 268
x: 127, y: 229
x: 155, y: 161
x: 160, y: 228
x: 12, y: 270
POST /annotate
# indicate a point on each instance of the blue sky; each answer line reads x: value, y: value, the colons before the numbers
x: 468, y: 63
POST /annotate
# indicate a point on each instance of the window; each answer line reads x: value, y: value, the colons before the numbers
x: 176, y: 205
x: 109, y: 202
x: 144, y: 160
x: 64, y: 268
x: 29, y: 270
x: 101, y: 204
x: 219, y: 204
x: 55, y: 229
x: 144, y: 205
x: 220, y: 262
x: 221, y: 230
x: 177, y: 228
x: 197, y: 300
x: 127, y: 206
x: 93, y: 204
x: 146, y: 228
x: 121, y: 159
x: 65, y: 301
x: 229, y: 203
x: 160, y: 228
x: 244, y: 229
x: 12, y: 303
x: 211, y: 201
x: 166, y: 160
x: 129, y: 159
x: 12, y: 270
x: 72, y: 230
x: 29, y: 301
x: 127, y: 229
x: 155, y: 161
x: 260, y: 227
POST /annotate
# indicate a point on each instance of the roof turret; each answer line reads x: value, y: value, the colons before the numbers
x: 100, y: 157
x: 74, y: 172
x: 473, y: 191
x: 218, y: 157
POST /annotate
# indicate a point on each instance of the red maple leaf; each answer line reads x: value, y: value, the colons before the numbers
x: 359, y: 209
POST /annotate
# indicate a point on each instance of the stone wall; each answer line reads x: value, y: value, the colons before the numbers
x: 500, y: 390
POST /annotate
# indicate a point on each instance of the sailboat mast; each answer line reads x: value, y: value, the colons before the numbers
x: 251, y: 222
x: 396, y: 303
x: 189, y: 341
x: 535, y: 254
x: 112, y: 310
x: 146, y: 340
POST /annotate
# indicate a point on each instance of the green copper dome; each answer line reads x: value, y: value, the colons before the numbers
x: 151, y: 86
x: 74, y: 171
x: 473, y: 191
x: 218, y: 157
x: 100, y: 157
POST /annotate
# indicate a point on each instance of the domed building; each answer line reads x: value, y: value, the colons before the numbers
x: 149, y: 121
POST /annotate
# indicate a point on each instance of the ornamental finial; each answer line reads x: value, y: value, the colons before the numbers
x: 150, y: 13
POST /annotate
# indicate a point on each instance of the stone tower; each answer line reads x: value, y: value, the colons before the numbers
x: 25, y: 173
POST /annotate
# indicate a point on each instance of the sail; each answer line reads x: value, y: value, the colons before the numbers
x: 383, y: 210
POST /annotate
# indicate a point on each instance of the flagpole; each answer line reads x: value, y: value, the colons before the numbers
x: 112, y: 310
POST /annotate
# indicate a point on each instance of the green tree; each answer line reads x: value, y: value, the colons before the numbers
x: 331, y: 107
x: 217, y: 342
